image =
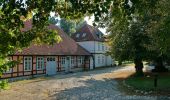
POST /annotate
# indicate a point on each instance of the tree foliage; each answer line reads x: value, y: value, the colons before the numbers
x: 53, y: 20
x: 70, y: 26
x: 139, y: 29
x: 13, y: 13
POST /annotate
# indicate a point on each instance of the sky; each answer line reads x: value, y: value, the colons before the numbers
x: 90, y: 20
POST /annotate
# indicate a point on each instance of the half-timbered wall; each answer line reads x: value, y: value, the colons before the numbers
x: 18, y: 70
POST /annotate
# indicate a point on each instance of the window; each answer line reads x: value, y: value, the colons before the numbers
x: 103, y: 46
x: 80, y: 60
x: 98, y: 46
x: 77, y: 35
x: 72, y: 60
x: 98, y: 59
x: 103, y: 59
x: 63, y: 60
x: 27, y: 63
x: 9, y: 70
x: 84, y: 34
x: 51, y: 59
x: 40, y: 63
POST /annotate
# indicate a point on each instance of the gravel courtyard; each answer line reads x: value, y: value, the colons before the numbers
x: 91, y: 85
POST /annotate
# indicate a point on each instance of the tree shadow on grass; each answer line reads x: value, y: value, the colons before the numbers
x: 145, y: 85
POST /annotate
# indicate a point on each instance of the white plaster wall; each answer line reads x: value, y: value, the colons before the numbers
x: 96, y: 49
x: 101, y: 62
x: 109, y: 61
x: 88, y: 45
x: 91, y: 63
x: 94, y: 46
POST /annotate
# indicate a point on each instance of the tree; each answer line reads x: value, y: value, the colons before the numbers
x: 160, y: 36
x: 130, y: 45
x: 13, y: 13
x: 152, y: 19
x: 80, y: 23
x: 53, y: 20
x: 132, y: 31
x: 68, y: 26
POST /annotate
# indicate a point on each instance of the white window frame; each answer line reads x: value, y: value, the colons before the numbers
x: 29, y: 63
x: 40, y: 60
x: 77, y: 35
x: 98, y: 46
x: 8, y: 70
x: 72, y: 60
x: 80, y: 60
x: 98, y: 58
x: 63, y: 60
x: 103, y: 60
x: 84, y: 34
x: 103, y: 46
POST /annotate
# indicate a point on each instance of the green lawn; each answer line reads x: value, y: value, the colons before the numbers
x: 147, y: 83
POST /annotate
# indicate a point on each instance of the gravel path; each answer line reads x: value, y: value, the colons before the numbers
x: 91, y: 85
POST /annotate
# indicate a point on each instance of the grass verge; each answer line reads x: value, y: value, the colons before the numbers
x: 145, y: 84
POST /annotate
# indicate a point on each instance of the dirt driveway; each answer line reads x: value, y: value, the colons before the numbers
x: 92, y: 85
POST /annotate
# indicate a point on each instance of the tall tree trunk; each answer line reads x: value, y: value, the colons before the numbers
x: 159, y: 67
x: 139, y: 67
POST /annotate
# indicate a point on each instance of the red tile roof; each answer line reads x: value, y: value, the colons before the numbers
x: 66, y: 47
x: 92, y: 34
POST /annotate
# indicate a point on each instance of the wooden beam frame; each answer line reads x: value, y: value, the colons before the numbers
x: 12, y: 69
x: 20, y: 73
x: 58, y: 65
x: 32, y: 72
x: 23, y: 65
x: 18, y: 66
x: 76, y: 62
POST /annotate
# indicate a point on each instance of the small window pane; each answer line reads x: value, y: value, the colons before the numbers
x: 77, y: 35
x: 27, y: 63
x: 98, y: 46
x: 40, y: 63
x: 63, y: 60
x: 84, y: 34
